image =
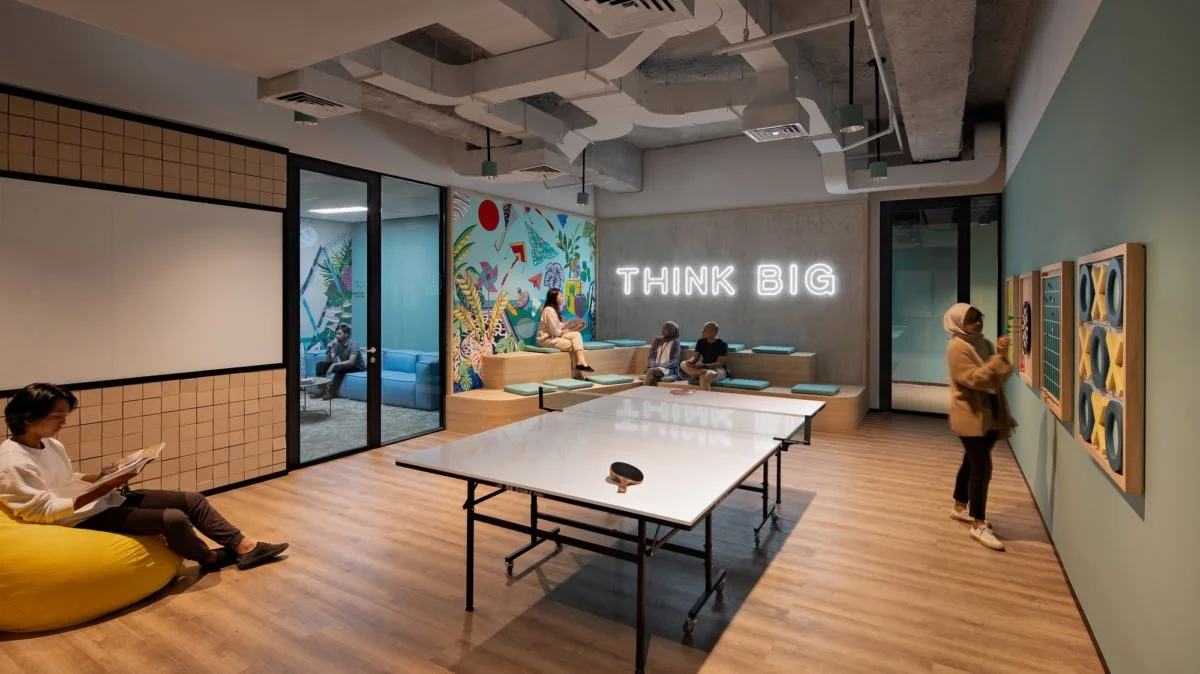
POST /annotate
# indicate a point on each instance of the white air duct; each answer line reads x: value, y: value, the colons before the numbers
x: 312, y: 92
x: 617, y: 18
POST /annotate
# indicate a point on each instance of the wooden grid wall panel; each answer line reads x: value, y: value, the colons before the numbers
x: 219, y: 430
x: 58, y: 141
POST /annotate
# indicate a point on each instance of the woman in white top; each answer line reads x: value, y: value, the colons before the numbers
x: 551, y: 331
x: 38, y: 486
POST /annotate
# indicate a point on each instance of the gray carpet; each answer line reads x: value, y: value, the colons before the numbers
x: 323, y: 434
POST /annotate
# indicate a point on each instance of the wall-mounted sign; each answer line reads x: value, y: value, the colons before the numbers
x: 720, y: 280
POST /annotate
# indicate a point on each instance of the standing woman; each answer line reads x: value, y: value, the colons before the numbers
x: 979, y: 414
x: 552, y: 333
x: 665, y: 354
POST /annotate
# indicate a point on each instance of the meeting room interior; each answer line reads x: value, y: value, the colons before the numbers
x: 570, y: 336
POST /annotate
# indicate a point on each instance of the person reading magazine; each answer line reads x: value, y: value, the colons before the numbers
x: 38, y: 486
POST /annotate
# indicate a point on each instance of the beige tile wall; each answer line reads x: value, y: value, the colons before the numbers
x: 219, y: 430
x: 59, y: 141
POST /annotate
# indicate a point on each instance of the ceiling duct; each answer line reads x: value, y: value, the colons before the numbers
x: 615, y: 166
x: 618, y: 18
x: 312, y: 92
x: 775, y: 113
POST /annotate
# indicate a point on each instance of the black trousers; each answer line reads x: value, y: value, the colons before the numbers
x: 338, y: 372
x: 971, y: 486
x: 172, y: 515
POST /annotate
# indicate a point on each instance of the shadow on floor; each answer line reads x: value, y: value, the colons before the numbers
x: 606, y: 588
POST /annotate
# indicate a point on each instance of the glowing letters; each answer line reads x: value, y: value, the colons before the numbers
x: 715, y: 280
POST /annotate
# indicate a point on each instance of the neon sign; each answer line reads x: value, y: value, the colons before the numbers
x: 718, y: 280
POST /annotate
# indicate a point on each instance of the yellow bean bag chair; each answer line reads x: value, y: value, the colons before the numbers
x: 53, y: 577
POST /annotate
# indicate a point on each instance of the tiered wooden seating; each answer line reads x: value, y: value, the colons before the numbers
x: 502, y: 369
x: 483, y: 409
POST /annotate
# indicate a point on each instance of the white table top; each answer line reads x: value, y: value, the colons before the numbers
x: 735, y: 401
x: 688, y: 468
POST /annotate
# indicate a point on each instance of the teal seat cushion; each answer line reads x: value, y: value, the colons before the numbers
x: 541, y: 349
x: 527, y: 389
x: 775, y: 350
x: 596, y: 346
x: 817, y: 389
x: 626, y: 342
x: 609, y: 379
x: 737, y: 346
x: 666, y: 378
x: 744, y: 384
x: 687, y: 345
x: 568, y: 384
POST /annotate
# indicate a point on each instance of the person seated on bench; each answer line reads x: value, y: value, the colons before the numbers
x: 709, y: 362
x: 553, y: 333
x: 38, y: 486
x: 665, y: 355
x: 343, y: 356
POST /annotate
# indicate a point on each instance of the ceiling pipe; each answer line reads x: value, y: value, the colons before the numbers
x: 765, y: 41
x: 893, y: 126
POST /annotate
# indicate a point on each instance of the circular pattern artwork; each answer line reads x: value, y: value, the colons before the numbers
x: 489, y: 215
x: 1026, y: 328
x: 1086, y: 292
x: 1087, y: 415
x: 1100, y: 359
x: 1114, y: 292
x: 1114, y: 436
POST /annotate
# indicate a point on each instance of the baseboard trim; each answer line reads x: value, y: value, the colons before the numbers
x: 244, y: 483
x: 1066, y: 576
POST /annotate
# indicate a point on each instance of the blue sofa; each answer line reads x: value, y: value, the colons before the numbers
x: 410, y: 379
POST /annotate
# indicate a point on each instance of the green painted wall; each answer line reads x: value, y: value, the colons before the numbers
x: 1116, y: 158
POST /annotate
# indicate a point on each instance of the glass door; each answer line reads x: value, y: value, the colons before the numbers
x: 334, y: 319
x: 934, y: 253
x: 410, y: 302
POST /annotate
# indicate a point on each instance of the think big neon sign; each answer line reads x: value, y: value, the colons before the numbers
x: 717, y: 280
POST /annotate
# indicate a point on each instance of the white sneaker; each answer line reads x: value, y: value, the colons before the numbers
x: 961, y: 515
x: 985, y: 537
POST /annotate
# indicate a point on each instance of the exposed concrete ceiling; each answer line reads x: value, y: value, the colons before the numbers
x: 270, y: 37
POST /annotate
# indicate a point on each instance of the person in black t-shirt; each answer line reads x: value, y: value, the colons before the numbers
x: 708, y: 363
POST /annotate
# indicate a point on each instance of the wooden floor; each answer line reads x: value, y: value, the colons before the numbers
x: 866, y: 573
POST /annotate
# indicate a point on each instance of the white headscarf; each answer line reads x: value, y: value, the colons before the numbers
x: 955, y: 323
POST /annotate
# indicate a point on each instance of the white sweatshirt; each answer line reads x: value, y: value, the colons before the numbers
x: 38, y: 486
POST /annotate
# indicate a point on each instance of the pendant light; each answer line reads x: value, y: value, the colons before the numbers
x: 488, y: 170
x: 303, y: 119
x: 878, y: 168
x: 582, y: 198
x: 850, y: 116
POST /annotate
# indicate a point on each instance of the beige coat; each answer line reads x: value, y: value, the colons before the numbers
x: 970, y: 380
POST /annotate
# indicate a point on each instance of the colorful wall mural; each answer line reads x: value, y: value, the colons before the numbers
x: 327, y: 283
x: 506, y: 255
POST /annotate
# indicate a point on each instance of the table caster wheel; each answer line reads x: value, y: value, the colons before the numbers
x: 558, y: 546
x: 721, y: 586
x: 775, y: 518
x: 508, y: 568
x: 689, y: 625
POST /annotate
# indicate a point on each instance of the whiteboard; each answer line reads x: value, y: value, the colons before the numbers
x: 101, y: 285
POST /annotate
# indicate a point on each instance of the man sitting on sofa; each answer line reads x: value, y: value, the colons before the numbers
x: 343, y: 356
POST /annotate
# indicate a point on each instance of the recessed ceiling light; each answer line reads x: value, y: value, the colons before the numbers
x: 342, y: 209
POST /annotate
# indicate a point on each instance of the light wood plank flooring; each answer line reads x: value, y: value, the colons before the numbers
x: 866, y: 573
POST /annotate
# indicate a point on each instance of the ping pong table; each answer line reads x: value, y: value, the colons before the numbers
x: 694, y: 451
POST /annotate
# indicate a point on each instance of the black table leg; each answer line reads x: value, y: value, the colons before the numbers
x: 470, y: 545
x: 534, y: 539
x: 779, y: 476
x: 709, y: 585
x: 641, y: 597
x: 768, y: 510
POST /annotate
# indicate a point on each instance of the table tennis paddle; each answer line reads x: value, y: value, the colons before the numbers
x: 624, y: 475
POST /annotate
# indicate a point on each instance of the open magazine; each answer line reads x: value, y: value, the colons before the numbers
x: 132, y: 464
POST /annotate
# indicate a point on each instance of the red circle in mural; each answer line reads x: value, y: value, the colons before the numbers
x: 489, y: 215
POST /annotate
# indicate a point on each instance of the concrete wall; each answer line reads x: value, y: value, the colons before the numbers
x: 835, y: 327
x: 48, y: 53
x: 1113, y: 159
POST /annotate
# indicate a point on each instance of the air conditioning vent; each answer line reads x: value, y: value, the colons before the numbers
x: 312, y: 92
x: 542, y: 169
x: 781, y: 132
x: 617, y: 18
